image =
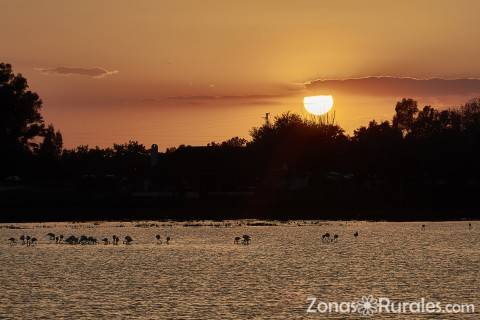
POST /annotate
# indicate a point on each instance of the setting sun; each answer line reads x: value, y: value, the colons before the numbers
x: 318, y: 105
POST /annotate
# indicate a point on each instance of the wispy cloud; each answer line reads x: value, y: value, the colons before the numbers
x: 95, y: 72
x: 397, y: 86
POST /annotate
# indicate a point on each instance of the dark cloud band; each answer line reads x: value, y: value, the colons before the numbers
x: 392, y: 86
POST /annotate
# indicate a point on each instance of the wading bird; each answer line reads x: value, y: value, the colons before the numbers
x: 71, y: 240
x: 12, y: 241
x: 51, y: 236
x: 355, y: 234
x: 246, y: 239
x: 326, y: 237
x: 83, y: 239
x: 168, y: 240
x: 127, y: 240
x: 159, y: 241
x: 237, y: 240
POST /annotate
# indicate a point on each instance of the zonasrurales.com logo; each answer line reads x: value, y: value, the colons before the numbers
x: 367, y: 306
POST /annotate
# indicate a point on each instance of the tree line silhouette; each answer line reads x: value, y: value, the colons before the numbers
x: 423, y: 164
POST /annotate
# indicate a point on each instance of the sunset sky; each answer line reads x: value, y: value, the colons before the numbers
x: 172, y: 72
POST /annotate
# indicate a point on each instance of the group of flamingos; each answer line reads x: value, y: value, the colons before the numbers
x: 327, y: 238
x: 245, y: 239
x: 84, y: 240
x: 29, y: 241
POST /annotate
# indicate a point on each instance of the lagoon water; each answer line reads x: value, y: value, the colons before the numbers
x: 202, y: 274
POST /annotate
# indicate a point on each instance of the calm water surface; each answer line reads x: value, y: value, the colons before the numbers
x: 202, y: 274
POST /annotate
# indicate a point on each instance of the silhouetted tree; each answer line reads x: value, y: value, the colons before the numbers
x: 52, y: 144
x: 20, y: 119
x: 470, y: 114
x: 290, y: 127
x: 405, y: 114
x: 377, y: 135
x: 235, y: 142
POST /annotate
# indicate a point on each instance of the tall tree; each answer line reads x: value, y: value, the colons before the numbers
x: 52, y: 144
x: 406, y: 111
x: 20, y: 119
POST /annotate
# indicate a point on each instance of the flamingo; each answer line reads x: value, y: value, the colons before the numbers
x: 12, y: 241
x: 83, y: 239
x: 326, y: 237
x: 71, y: 240
x: 237, y: 240
x: 127, y: 240
x: 246, y: 239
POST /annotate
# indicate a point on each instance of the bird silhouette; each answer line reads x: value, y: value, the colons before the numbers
x: 127, y: 240
x: 246, y: 239
x: 71, y: 240
x: 326, y: 237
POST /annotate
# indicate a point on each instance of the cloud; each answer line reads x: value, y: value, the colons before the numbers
x: 397, y: 86
x: 95, y: 72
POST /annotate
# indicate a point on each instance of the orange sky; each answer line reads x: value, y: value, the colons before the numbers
x: 194, y: 71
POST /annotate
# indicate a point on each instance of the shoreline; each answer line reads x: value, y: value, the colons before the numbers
x: 83, y: 214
